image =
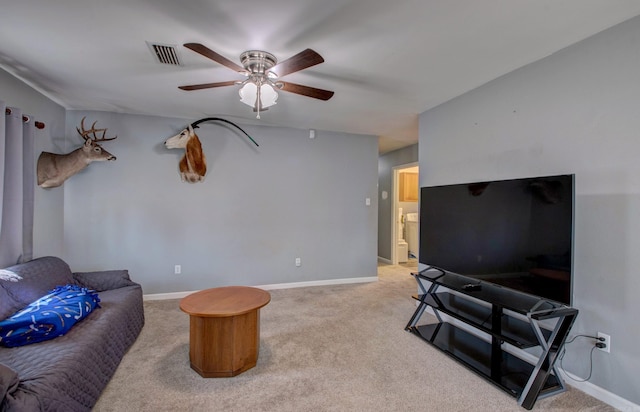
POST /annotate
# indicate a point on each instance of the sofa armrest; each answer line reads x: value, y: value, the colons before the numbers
x: 8, y: 381
x: 13, y: 398
x: 104, y: 280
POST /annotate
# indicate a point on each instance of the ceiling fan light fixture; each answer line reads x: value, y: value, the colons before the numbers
x: 258, y: 91
x: 249, y: 95
x: 268, y: 95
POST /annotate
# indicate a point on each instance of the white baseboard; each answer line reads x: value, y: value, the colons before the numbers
x: 166, y: 296
x: 180, y: 295
x: 569, y: 379
x: 344, y: 281
x: 600, y: 393
x: 587, y: 387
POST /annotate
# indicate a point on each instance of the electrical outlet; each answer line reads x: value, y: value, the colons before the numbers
x: 606, y: 342
x: 298, y: 262
x: 177, y: 269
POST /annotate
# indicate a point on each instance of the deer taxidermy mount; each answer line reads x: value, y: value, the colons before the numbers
x: 53, y: 169
x: 193, y: 165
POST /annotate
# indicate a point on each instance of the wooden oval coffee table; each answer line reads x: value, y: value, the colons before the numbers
x: 224, y: 334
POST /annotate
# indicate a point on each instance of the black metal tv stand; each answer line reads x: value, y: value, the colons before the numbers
x: 503, y: 323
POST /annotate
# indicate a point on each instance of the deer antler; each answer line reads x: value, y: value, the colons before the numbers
x: 85, y: 133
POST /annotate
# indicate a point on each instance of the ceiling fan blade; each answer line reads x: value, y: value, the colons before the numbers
x: 306, y: 91
x: 207, y: 52
x: 206, y: 85
x: 300, y: 61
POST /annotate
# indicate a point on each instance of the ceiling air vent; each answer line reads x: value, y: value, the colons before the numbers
x: 165, y: 53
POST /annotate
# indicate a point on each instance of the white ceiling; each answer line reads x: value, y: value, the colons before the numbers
x: 386, y: 61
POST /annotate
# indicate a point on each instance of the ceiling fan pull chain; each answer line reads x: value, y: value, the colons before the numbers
x: 258, y: 101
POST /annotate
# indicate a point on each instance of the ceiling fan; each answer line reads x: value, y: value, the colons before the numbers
x: 263, y: 73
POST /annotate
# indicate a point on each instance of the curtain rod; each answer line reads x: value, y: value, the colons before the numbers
x: 38, y: 125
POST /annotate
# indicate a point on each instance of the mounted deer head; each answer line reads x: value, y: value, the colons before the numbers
x: 53, y: 169
x: 193, y: 164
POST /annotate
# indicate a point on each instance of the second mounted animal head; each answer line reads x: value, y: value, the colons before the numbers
x: 193, y: 164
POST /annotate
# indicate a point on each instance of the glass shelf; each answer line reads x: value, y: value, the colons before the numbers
x: 514, y: 331
x: 504, y: 297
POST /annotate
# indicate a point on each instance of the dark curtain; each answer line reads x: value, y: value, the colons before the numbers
x: 17, y: 180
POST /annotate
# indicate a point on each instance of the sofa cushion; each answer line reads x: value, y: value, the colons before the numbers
x: 104, y: 279
x: 50, y: 316
x: 12, y: 398
x: 30, y: 281
x: 8, y: 380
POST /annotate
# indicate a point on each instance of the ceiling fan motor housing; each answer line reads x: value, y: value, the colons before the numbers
x: 257, y: 61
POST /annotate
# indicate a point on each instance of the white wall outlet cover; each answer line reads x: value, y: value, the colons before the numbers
x: 385, y: 195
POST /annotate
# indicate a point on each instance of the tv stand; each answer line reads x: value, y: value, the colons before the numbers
x: 500, y: 323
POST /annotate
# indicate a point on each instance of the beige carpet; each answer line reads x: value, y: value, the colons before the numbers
x: 323, y: 348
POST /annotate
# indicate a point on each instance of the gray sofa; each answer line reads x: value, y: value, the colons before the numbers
x: 67, y: 373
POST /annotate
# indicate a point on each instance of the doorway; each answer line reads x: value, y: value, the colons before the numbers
x: 405, y: 189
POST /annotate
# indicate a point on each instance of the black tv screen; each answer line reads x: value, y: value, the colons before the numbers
x: 516, y: 233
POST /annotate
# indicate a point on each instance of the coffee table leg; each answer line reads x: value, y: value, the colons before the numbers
x: 224, y: 346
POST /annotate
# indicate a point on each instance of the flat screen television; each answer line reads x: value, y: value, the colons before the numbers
x: 516, y: 233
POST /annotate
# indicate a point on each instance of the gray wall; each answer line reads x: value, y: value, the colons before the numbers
x: 573, y: 112
x: 48, y: 213
x: 386, y: 163
x: 256, y: 211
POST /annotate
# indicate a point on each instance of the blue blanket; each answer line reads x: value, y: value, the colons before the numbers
x: 48, y: 317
